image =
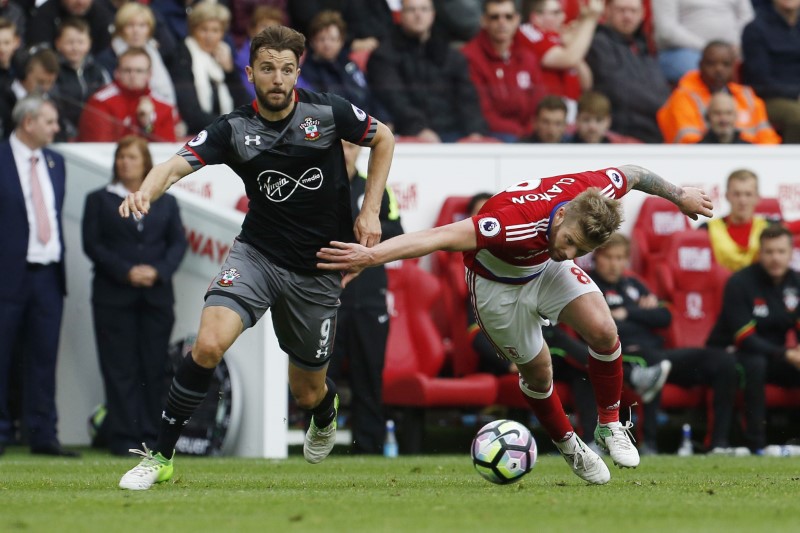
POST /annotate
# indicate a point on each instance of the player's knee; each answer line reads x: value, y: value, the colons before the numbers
x: 602, y: 335
x: 307, y: 399
x: 207, y: 351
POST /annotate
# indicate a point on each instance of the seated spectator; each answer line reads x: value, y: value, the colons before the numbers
x: 682, y: 118
x: 244, y: 14
x: 262, y: 17
x: 735, y: 237
x: 369, y: 22
x: 684, y: 27
x: 505, y: 72
x: 594, y: 119
x: 760, y: 307
x: 9, y: 44
x: 204, y: 74
x: 423, y: 82
x: 328, y: 68
x: 638, y: 314
x: 561, y: 50
x: 550, y: 124
x: 38, y: 78
x: 126, y: 106
x: 14, y: 14
x: 134, y: 27
x: 721, y: 117
x: 626, y: 73
x: 771, y: 53
x: 79, y: 76
x: 44, y: 23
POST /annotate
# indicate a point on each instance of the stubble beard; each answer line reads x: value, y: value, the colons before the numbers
x: 264, y: 102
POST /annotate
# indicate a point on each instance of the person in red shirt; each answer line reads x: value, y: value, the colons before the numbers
x: 505, y: 72
x: 518, y: 252
x: 126, y: 106
x: 561, y: 50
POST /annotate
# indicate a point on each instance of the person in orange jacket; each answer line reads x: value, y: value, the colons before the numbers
x: 682, y: 119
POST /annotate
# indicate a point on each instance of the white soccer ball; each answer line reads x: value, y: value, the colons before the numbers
x: 503, y: 451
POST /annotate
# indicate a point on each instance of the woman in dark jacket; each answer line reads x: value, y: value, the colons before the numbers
x: 132, y: 297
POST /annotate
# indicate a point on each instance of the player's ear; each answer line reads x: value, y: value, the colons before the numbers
x: 559, y: 215
x: 249, y: 71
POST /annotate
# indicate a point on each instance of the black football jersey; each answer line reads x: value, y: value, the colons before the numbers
x: 293, y: 172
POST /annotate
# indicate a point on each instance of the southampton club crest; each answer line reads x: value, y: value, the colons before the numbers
x: 228, y: 277
x: 310, y: 127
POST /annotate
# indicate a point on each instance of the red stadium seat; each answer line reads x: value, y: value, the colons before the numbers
x: 693, y: 282
x: 360, y: 58
x: 658, y: 219
x: 415, y: 354
x: 769, y: 208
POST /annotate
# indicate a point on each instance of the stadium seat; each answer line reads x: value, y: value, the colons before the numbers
x: 769, y: 208
x: 415, y: 354
x: 657, y: 220
x: 360, y: 58
x: 691, y: 280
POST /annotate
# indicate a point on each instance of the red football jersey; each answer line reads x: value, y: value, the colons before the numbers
x: 513, y: 227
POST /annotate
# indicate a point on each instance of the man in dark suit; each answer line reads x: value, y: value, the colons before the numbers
x: 32, y: 179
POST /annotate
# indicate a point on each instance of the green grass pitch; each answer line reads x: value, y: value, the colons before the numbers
x: 440, y: 493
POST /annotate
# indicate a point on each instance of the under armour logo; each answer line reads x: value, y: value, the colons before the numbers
x: 170, y: 421
x: 254, y: 139
x: 322, y: 352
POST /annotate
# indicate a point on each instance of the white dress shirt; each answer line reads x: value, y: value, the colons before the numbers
x: 49, y: 252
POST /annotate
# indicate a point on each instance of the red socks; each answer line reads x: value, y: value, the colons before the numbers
x: 605, y: 373
x: 548, y: 409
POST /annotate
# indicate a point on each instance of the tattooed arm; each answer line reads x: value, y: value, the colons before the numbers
x: 690, y: 200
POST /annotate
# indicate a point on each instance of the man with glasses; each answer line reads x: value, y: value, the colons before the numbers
x: 505, y: 72
x: 126, y: 106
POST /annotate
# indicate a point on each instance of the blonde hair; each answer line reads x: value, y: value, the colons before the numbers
x: 130, y: 11
x: 742, y: 174
x: 208, y: 10
x: 596, y: 215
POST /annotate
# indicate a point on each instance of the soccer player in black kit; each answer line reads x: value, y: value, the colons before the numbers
x: 287, y: 149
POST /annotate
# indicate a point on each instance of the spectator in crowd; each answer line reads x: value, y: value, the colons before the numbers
x: 9, y: 44
x: 562, y: 50
x: 423, y: 82
x: 638, y: 314
x: 134, y: 27
x: 721, y: 117
x: 759, y: 309
x: 369, y: 21
x: 32, y: 254
x: 594, y: 119
x: 771, y: 50
x: 43, y: 25
x: 132, y: 296
x: 78, y: 77
x: 683, y: 118
x: 126, y: 106
x: 362, y: 324
x: 550, y: 124
x: 624, y: 70
x: 684, y: 27
x: 244, y: 14
x: 505, y: 72
x: 204, y: 74
x: 262, y: 17
x: 735, y: 237
x: 173, y: 14
x: 38, y: 77
x: 14, y: 14
x: 328, y: 68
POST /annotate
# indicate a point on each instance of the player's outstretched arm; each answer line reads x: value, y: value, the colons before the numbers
x: 367, y: 226
x: 155, y: 184
x: 691, y: 201
x: 354, y: 258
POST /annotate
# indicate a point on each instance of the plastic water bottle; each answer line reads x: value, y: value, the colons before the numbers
x: 686, y: 445
x: 390, y: 444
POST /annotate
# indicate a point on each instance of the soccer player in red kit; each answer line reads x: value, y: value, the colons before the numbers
x: 518, y: 253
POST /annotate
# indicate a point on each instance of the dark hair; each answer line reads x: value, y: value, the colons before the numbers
x: 44, y: 57
x: 278, y: 38
x: 136, y: 142
x: 75, y: 23
x: 774, y: 231
x: 594, y: 103
x: 481, y: 196
x: 326, y: 18
x: 487, y: 3
x: 7, y: 24
x: 616, y: 239
x: 551, y: 102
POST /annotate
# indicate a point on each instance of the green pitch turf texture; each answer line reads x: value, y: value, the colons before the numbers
x: 440, y: 493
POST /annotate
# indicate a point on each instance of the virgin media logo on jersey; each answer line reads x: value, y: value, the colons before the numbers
x: 279, y: 187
